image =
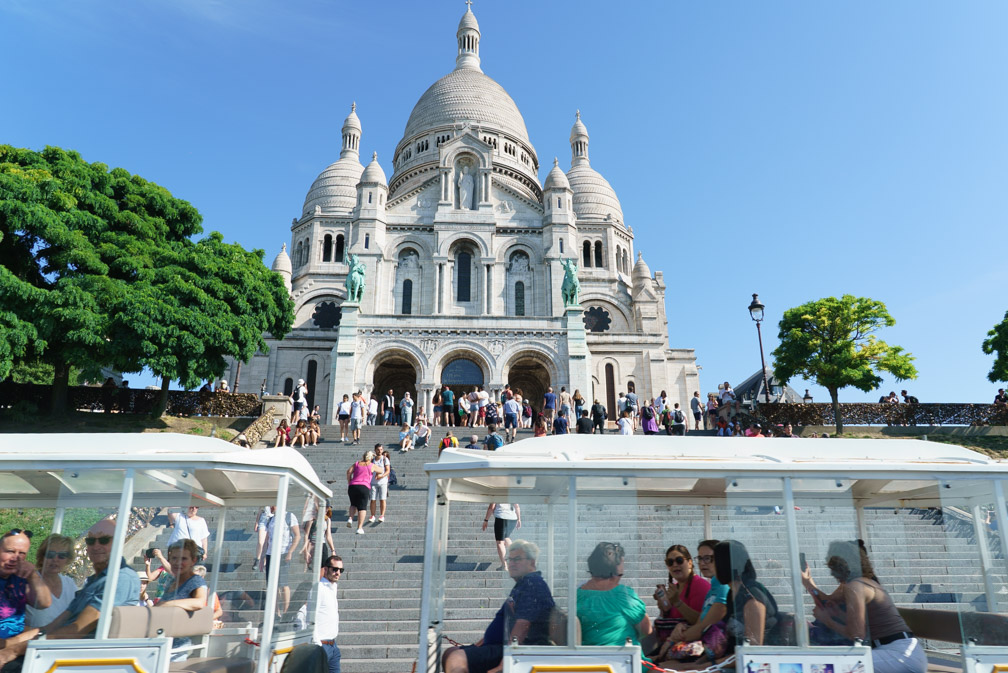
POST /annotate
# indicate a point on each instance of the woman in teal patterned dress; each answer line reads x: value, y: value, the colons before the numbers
x: 610, y: 612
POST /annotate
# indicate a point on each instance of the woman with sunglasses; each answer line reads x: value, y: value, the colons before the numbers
x: 610, y: 613
x: 682, y: 598
x: 54, y: 554
x: 871, y: 614
x: 703, y: 638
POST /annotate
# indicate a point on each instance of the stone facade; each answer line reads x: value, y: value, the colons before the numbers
x: 463, y: 252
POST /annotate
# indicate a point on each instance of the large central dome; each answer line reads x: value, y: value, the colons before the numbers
x: 466, y: 95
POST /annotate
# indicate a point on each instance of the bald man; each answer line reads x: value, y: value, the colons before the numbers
x: 20, y: 585
x: 80, y: 618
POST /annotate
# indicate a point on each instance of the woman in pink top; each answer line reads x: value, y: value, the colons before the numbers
x: 359, y: 489
x: 682, y: 599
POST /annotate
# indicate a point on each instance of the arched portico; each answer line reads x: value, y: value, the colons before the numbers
x: 531, y: 372
x: 396, y: 370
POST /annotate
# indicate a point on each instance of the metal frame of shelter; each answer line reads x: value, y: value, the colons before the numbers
x: 158, y: 469
x: 560, y: 470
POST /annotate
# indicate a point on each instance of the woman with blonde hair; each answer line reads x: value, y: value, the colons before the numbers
x: 359, y: 489
x: 54, y: 554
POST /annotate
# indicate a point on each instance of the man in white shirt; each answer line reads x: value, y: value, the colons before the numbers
x: 189, y: 525
x: 372, y: 414
x: 357, y: 410
x: 327, y: 615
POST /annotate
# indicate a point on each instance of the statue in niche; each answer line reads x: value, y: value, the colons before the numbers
x: 465, y: 188
x: 409, y: 261
x: 519, y: 264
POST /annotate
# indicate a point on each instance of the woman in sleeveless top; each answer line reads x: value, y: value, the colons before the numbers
x: 870, y: 612
x: 359, y: 489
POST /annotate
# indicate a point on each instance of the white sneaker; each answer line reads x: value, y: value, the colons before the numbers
x: 360, y: 531
x: 349, y: 523
x: 371, y: 520
x: 381, y: 519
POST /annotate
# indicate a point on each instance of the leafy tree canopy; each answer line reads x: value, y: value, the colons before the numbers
x: 99, y: 269
x: 833, y: 342
x: 199, y: 303
x: 73, y: 238
x: 996, y: 344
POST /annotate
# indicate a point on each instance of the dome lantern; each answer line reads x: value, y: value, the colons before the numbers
x: 468, y: 35
x: 579, y: 141
x: 351, y: 133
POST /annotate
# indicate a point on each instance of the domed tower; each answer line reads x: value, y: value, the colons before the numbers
x: 648, y: 298
x: 605, y: 243
x: 559, y: 228
x: 322, y: 235
x: 282, y: 265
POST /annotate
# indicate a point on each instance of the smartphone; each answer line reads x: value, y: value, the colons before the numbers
x: 803, y: 561
x: 660, y: 593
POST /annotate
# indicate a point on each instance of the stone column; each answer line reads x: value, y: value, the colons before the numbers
x: 343, y: 357
x: 579, y: 357
x: 489, y: 290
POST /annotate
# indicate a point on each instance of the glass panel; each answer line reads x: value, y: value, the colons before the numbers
x: 514, y: 546
x: 618, y: 561
x: 968, y: 568
x: 297, y: 587
x: 519, y: 298
x: 753, y: 558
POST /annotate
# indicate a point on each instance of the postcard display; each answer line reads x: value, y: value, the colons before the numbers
x: 854, y: 659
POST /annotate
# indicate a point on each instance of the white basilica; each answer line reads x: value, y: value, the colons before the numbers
x: 462, y: 251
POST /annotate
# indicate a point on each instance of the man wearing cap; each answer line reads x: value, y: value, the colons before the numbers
x: 20, y: 586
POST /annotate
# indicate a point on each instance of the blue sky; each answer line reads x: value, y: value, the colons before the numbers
x: 794, y: 149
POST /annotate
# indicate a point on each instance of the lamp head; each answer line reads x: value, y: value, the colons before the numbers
x: 756, y: 308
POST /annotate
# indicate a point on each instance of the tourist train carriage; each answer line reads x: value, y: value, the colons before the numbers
x: 920, y: 506
x: 78, y: 479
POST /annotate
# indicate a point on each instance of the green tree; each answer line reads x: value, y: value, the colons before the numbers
x: 996, y: 344
x: 198, y: 304
x: 832, y: 342
x: 73, y: 238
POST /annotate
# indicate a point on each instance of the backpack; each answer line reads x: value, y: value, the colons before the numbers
x: 678, y: 416
x: 446, y: 442
x: 647, y: 413
x: 494, y: 441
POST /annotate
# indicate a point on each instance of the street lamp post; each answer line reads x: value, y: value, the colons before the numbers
x: 756, y: 312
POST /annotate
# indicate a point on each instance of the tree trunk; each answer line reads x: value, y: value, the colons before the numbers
x: 61, y: 380
x: 835, y: 397
x: 234, y: 389
x: 162, y: 399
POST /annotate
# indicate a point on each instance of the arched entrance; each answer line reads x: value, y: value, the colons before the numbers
x: 529, y: 375
x: 396, y: 373
x: 461, y: 375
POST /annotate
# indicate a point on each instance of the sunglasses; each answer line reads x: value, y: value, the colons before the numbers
x: 675, y: 561
x: 58, y: 554
x: 705, y: 558
x: 20, y: 531
x: 512, y: 559
x: 337, y: 569
x: 103, y: 540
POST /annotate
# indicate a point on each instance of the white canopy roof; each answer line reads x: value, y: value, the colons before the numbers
x: 58, y: 468
x: 713, y: 469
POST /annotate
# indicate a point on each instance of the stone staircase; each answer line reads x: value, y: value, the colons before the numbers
x: 918, y: 560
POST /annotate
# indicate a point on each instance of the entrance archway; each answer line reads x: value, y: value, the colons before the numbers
x: 529, y: 375
x: 461, y: 375
x: 397, y: 373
